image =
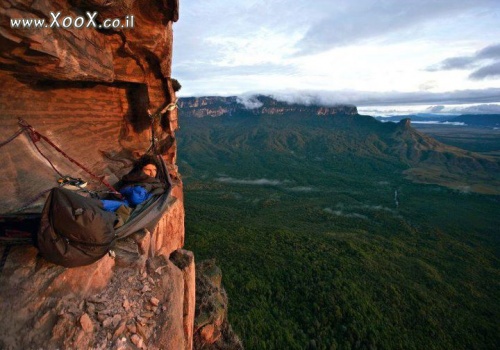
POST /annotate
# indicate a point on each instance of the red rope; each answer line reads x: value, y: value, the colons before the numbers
x: 44, y: 156
x: 36, y: 136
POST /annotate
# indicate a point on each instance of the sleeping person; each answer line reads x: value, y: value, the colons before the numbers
x: 139, y: 185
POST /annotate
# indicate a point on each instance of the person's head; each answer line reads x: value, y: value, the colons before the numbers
x: 147, y: 164
x: 150, y: 170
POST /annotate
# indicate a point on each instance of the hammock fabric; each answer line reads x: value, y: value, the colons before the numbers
x: 77, y: 231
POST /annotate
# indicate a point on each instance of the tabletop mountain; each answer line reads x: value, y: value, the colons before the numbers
x: 226, y: 127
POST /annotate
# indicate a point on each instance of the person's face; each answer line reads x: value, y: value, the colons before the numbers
x: 150, y: 170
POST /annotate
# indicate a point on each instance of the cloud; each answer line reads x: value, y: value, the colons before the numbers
x: 265, y: 182
x: 481, y: 58
x: 211, y: 70
x: 371, y: 98
x: 492, y: 51
x: 223, y: 47
x: 479, y: 109
x: 223, y: 38
x: 257, y: 182
x: 315, y: 98
x: 439, y: 123
x: 249, y: 101
x: 347, y: 22
x: 376, y: 208
x: 489, y: 71
x: 435, y: 109
x: 428, y: 85
x: 302, y: 189
x: 448, y: 110
x: 346, y: 215
x: 454, y: 63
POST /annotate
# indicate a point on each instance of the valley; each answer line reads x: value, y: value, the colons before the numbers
x: 300, y: 213
x: 475, y: 139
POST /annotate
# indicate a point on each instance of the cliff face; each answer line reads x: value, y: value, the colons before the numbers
x: 214, y: 106
x: 91, y: 90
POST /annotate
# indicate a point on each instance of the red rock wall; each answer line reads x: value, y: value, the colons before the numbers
x: 44, y: 306
x: 91, y: 91
x: 128, y: 70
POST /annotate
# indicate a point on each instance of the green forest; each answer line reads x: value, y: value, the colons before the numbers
x: 329, y: 247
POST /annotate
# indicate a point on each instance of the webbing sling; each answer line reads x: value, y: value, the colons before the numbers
x: 158, y: 115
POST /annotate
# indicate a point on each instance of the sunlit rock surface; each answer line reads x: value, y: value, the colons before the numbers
x: 96, y: 306
x: 91, y: 91
x: 87, y: 89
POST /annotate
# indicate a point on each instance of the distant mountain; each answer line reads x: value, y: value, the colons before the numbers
x: 215, y: 106
x: 414, y: 117
x: 478, y: 120
x: 473, y: 120
x: 224, y: 128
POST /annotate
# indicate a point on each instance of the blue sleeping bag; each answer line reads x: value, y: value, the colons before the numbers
x: 133, y: 196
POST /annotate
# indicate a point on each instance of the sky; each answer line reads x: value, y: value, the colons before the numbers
x: 385, y: 56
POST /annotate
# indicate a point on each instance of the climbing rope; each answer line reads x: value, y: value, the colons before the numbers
x: 32, y: 136
x: 16, y: 134
x: 33, y: 200
x: 36, y: 136
x: 64, y: 180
